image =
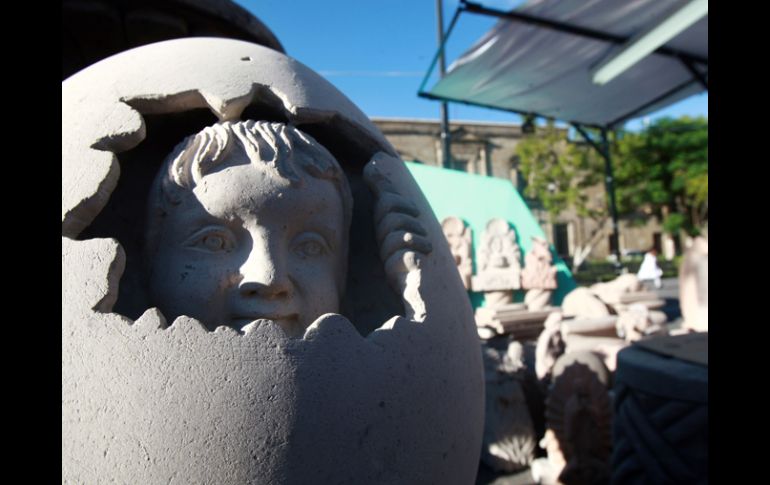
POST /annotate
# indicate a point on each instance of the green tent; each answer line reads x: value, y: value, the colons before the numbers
x: 476, y: 199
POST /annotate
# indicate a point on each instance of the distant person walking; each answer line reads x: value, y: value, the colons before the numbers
x: 649, y: 270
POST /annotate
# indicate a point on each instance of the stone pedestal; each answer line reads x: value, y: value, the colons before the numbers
x: 661, y: 411
x: 513, y: 319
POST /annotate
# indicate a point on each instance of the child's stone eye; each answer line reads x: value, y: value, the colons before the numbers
x: 213, y: 243
x: 310, y: 249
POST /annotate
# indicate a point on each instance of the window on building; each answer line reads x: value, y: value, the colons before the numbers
x: 657, y: 242
x: 561, y: 240
x: 460, y: 164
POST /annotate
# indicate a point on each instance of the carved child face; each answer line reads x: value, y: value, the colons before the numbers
x: 245, y: 244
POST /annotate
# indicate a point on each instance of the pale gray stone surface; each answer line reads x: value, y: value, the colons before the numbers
x: 150, y: 401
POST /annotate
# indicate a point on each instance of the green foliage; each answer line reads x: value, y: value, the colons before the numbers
x: 664, y: 170
x: 661, y: 170
x: 600, y: 271
x: 558, y: 172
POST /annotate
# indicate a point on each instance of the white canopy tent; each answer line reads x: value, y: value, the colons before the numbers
x: 541, y: 60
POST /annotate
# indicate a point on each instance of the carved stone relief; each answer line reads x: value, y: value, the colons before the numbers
x: 498, y: 260
x: 458, y: 235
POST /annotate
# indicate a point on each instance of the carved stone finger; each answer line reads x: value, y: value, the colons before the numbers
x: 398, y: 264
x: 399, y: 240
x: 395, y: 221
x: 392, y: 202
x: 375, y: 179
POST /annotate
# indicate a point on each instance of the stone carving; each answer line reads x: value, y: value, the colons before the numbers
x: 249, y: 221
x: 694, y: 286
x: 638, y: 322
x: 612, y: 291
x: 498, y: 261
x: 458, y: 235
x: 550, y: 346
x: 539, y: 272
x: 626, y: 290
x: 509, y: 434
x: 582, y: 303
x: 267, y: 385
x: 578, y: 424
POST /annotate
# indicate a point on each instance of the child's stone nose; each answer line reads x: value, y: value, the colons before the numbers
x: 264, y: 274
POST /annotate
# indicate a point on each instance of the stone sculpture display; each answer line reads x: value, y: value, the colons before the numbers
x: 498, y: 262
x: 458, y: 235
x: 231, y: 288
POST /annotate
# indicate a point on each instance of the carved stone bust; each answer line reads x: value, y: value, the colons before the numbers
x: 270, y: 284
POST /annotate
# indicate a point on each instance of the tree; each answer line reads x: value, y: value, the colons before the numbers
x: 558, y: 174
x: 664, y: 169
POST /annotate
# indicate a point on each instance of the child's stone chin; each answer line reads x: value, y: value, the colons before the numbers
x: 290, y: 326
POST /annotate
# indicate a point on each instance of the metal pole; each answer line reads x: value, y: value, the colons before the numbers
x: 445, y: 142
x: 610, y: 187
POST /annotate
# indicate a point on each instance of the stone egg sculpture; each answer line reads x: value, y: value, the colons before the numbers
x: 386, y: 387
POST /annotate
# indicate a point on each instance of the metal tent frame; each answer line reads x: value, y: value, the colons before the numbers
x: 602, y: 146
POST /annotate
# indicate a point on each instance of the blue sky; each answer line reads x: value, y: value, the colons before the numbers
x: 377, y: 52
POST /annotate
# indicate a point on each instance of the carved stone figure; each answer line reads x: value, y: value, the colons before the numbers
x: 539, y: 271
x: 694, y: 286
x: 458, y: 235
x: 236, y: 295
x: 498, y: 261
x: 579, y: 424
x: 509, y: 434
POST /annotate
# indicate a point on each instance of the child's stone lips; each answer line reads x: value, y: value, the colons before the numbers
x: 251, y: 316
